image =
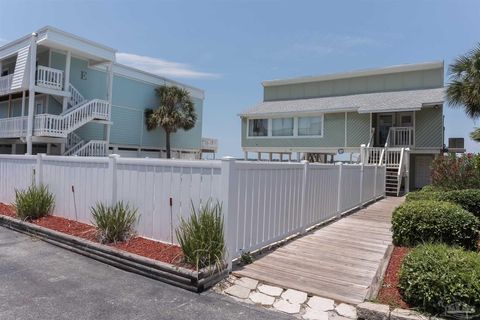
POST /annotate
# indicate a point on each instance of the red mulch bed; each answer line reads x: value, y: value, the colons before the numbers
x: 144, y: 247
x: 389, y: 293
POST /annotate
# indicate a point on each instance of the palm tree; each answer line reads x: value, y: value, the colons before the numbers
x: 176, y: 111
x: 475, y: 135
x: 464, y: 87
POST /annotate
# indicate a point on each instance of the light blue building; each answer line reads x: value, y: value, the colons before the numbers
x: 63, y: 94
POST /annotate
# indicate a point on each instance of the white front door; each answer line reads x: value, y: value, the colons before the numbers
x: 422, y: 171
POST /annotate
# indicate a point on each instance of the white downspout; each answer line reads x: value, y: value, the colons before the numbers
x: 31, y: 91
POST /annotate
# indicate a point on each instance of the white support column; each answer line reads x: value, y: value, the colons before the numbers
x: 31, y: 91
x: 109, y: 99
x: 246, y: 155
x: 68, y: 60
x: 49, y: 148
x: 23, y: 103
x: 14, y: 148
x: 228, y: 196
x: 259, y: 156
x: 339, y: 190
x: 289, y: 157
x: 270, y: 156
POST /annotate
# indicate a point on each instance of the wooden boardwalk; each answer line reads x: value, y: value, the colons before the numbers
x: 341, y: 261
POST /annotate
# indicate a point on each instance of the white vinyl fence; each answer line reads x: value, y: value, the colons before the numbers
x: 263, y: 202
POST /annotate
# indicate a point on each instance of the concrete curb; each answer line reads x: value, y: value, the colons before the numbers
x: 196, y: 281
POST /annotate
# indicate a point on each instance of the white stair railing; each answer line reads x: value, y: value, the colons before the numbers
x: 49, y: 78
x: 74, y: 149
x: 73, y: 139
x: 61, y: 125
x: 93, y: 148
x: 75, y: 96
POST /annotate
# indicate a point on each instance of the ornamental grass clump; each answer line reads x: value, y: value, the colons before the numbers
x: 201, y: 236
x: 436, y: 277
x: 418, y: 222
x: 34, y: 202
x: 114, y: 223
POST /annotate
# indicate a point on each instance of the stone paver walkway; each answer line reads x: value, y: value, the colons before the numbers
x: 341, y: 261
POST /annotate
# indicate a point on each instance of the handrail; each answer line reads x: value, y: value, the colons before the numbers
x: 61, y: 125
x: 49, y: 77
x: 372, y: 135
x: 13, y: 127
x: 75, y: 96
x: 93, y: 148
x: 73, y: 150
x: 400, y: 171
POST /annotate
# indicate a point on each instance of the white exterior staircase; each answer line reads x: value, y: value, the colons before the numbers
x: 396, y: 165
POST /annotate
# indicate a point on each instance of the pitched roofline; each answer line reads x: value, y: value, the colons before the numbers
x: 358, y: 73
x: 74, y: 36
x: 67, y: 34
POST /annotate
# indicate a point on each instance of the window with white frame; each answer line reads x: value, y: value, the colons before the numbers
x: 258, y: 127
x: 310, y: 126
x: 282, y: 127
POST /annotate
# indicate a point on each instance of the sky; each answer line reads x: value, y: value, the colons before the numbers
x: 227, y: 48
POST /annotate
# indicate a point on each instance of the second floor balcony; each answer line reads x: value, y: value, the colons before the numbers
x: 45, y: 77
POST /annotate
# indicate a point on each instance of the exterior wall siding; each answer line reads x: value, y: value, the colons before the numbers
x: 358, y: 129
x: 429, y: 128
x: 425, y: 79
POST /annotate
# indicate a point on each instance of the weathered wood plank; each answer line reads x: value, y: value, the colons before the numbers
x: 340, y: 261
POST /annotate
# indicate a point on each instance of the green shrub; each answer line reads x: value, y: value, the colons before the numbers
x: 468, y: 199
x: 34, y: 202
x: 417, y: 222
x: 202, y: 237
x: 435, y: 276
x: 114, y: 223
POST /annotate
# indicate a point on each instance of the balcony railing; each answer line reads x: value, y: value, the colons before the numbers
x: 210, y: 144
x: 13, y: 127
x: 5, y: 84
x: 49, y: 78
x: 401, y: 137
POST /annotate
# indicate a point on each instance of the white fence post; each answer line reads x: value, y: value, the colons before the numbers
x: 228, y: 183
x: 375, y: 193
x: 303, y: 205
x: 112, y: 168
x: 39, y: 170
x: 362, y: 173
x: 339, y: 195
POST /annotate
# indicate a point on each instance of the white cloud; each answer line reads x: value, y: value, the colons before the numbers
x: 162, y: 67
x: 334, y: 44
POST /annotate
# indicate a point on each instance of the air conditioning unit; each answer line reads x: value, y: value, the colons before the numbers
x: 456, y: 145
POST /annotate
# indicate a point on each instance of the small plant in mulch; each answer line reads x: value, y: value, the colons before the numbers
x: 246, y: 258
x: 34, y: 202
x: 201, y: 236
x: 114, y: 223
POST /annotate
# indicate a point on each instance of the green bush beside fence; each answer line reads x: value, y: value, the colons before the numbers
x: 468, y: 199
x: 433, y: 277
x: 418, y: 222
